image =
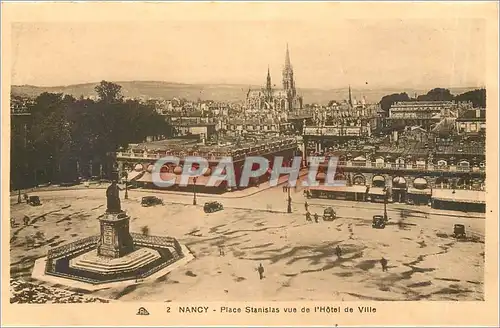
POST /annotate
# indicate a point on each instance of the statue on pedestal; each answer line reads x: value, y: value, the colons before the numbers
x: 113, y: 198
x: 115, y: 240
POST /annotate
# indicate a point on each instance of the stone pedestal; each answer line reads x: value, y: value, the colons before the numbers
x: 115, y: 235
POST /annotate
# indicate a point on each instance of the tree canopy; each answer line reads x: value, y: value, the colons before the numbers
x: 436, y: 94
x: 387, y: 101
x: 477, y: 97
x: 109, y: 92
x: 66, y: 131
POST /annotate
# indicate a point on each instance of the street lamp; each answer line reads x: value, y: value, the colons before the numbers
x: 126, y: 185
x: 385, y: 203
x: 289, y: 208
x: 194, y: 190
x: 19, y: 196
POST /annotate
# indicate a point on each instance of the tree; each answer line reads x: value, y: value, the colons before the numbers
x: 477, y: 97
x: 71, y: 133
x: 387, y: 101
x: 436, y: 94
x: 109, y: 92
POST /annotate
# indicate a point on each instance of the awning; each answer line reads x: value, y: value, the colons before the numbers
x: 138, y: 167
x: 321, y: 176
x: 377, y: 191
x: 414, y: 191
x: 360, y: 159
x: 399, y: 180
x: 167, y: 176
x: 201, y: 181
x: 420, y: 182
x: 352, y: 189
x: 132, y: 175
x: 378, y: 178
x: 460, y: 196
x: 146, y: 178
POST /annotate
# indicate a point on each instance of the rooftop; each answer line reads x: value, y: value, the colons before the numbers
x: 224, y: 146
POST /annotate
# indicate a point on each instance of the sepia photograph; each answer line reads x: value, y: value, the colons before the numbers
x: 329, y: 159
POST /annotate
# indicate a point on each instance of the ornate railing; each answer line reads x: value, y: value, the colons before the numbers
x: 78, y: 245
x: 155, y: 241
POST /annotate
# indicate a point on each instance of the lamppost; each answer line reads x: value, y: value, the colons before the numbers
x: 289, y: 208
x: 19, y: 196
x: 126, y: 185
x: 194, y: 190
x: 385, y: 203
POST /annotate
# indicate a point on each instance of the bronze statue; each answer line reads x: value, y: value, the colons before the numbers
x: 113, y: 198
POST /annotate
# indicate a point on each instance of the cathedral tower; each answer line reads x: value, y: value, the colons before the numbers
x: 288, y: 82
x: 268, y: 84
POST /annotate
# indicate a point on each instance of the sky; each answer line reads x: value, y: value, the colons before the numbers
x: 325, y: 54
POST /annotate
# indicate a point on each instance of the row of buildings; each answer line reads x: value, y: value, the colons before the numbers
x: 413, y: 152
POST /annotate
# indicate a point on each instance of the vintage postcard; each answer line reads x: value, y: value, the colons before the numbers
x: 312, y: 164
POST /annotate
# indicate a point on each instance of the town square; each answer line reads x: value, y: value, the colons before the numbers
x: 396, y: 146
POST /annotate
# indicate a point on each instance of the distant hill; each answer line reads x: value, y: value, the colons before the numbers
x: 216, y: 92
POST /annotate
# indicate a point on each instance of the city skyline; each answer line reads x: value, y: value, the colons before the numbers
x: 324, y: 55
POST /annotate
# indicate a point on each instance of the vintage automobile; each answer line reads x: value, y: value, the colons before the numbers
x: 459, y: 231
x: 378, y: 222
x: 329, y: 214
x: 151, y: 201
x: 211, y: 207
x: 34, y: 201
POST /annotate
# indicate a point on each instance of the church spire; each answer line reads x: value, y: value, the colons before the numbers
x: 350, y: 96
x: 287, y: 58
x: 268, y: 84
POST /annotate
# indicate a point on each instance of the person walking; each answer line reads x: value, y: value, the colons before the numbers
x: 306, y: 205
x: 338, y: 251
x: 383, y: 262
x: 260, y: 269
x: 316, y: 217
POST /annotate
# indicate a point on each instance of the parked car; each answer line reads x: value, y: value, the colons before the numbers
x: 378, y: 222
x: 459, y: 231
x: 34, y: 201
x: 329, y: 214
x: 211, y: 207
x: 151, y: 201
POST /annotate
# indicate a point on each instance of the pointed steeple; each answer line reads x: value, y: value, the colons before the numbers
x: 287, y: 58
x: 350, y: 96
x: 268, y: 84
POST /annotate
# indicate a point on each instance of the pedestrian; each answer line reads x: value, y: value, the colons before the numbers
x: 12, y: 222
x: 308, y: 216
x: 306, y: 205
x: 260, y: 269
x: 316, y: 217
x: 221, y: 250
x: 338, y: 251
x: 26, y: 220
x: 383, y: 262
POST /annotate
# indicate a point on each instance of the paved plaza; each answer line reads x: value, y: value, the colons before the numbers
x: 424, y: 261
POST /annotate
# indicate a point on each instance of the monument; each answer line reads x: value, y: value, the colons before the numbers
x: 115, y: 255
x: 115, y: 240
